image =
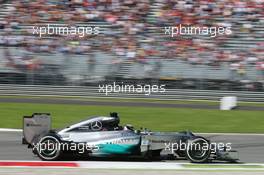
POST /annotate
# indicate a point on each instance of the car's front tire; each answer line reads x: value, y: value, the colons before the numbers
x: 48, y: 148
x: 198, y: 150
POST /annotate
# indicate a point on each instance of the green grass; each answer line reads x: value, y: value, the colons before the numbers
x: 156, y: 119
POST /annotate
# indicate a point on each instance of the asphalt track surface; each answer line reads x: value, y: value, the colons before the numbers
x: 115, y: 103
x: 250, y: 147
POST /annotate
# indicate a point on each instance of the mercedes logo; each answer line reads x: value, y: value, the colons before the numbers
x: 96, y: 125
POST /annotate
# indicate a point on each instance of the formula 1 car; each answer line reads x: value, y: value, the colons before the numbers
x: 102, y: 136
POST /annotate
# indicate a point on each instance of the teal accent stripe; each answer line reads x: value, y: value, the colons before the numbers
x: 117, y: 148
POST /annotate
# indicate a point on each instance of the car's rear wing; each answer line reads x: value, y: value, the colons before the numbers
x: 35, y: 126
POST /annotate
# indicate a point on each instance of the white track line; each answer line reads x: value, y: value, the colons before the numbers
x: 10, y: 130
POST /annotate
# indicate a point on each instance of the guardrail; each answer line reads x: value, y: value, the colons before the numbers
x: 93, y: 91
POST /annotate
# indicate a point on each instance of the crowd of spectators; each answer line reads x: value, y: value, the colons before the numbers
x: 136, y: 29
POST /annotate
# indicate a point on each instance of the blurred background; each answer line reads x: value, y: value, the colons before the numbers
x: 132, y: 46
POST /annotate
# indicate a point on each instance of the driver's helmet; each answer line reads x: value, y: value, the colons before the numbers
x: 114, y: 122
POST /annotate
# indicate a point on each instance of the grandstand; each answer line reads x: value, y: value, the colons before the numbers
x: 132, y: 45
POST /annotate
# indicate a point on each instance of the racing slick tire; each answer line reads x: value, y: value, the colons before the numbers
x: 198, y: 150
x: 49, y: 148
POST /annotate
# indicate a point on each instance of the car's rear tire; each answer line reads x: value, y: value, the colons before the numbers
x: 198, y: 150
x: 49, y: 148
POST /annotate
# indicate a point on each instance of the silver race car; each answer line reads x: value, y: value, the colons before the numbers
x: 102, y: 136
